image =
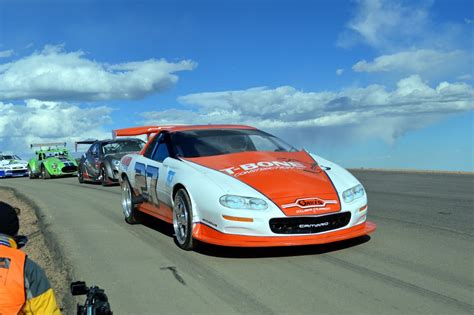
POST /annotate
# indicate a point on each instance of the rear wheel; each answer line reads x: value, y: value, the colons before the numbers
x: 44, y: 173
x: 183, y: 220
x: 30, y: 173
x: 104, y: 179
x: 132, y: 215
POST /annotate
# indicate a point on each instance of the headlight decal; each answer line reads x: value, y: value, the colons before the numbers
x: 353, y: 193
x: 239, y: 202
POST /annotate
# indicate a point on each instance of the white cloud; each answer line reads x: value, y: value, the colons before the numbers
x: 408, y: 40
x: 339, y: 71
x: 465, y: 77
x: 41, y: 121
x: 384, y: 24
x: 6, y: 53
x: 369, y: 112
x: 54, y: 74
x: 426, y: 62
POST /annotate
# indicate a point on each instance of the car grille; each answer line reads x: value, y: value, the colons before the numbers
x: 308, y: 225
x: 69, y: 169
x: 18, y: 171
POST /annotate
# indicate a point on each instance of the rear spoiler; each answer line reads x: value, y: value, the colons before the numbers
x: 83, y: 142
x: 51, y: 144
x: 137, y: 131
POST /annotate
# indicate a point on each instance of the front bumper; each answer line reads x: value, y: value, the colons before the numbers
x: 13, y: 173
x: 207, y: 234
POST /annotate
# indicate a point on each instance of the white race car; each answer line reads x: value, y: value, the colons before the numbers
x: 12, y: 166
x: 235, y: 185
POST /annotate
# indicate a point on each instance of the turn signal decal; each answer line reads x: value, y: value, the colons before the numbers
x: 238, y: 219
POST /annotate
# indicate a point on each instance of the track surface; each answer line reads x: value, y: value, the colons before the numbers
x: 420, y: 260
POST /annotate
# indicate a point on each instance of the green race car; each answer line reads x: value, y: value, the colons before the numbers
x: 51, y: 160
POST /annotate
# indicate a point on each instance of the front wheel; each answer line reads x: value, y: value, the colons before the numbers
x: 80, y: 175
x: 30, y: 173
x: 44, y: 173
x: 104, y: 178
x: 183, y: 220
x: 132, y: 215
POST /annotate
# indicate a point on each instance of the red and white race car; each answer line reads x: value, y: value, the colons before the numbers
x: 236, y: 185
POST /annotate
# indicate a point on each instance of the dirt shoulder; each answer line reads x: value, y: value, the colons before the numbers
x: 41, y: 248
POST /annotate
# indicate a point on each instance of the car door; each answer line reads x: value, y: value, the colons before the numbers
x: 92, y: 158
x: 159, y: 157
x: 151, y: 172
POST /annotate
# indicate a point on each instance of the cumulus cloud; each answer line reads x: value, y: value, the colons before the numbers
x: 368, y: 112
x: 408, y: 40
x: 6, y: 53
x: 383, y: 24
x: 41, y: 121
x: 54, y: 74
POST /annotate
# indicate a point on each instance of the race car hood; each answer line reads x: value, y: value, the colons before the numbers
x: 118, y: 156
x: 292, y: 180
x: 60, y: 161
x: 13, y: 163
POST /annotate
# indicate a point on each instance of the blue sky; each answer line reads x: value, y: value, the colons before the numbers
x: 364, y: 83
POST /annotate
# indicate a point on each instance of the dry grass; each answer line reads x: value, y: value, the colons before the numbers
x: 37, y: 248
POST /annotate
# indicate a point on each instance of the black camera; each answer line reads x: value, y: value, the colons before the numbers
x: 96, y: 302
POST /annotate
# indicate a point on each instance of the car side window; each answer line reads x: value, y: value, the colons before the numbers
x: 94, y: 149
x: 151, y: 146
x: 161, y: 153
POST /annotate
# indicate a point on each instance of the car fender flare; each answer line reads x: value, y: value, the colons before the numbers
x: 178, y: 186
x: 31, y: 166
x: 47, y: 166
x: 108, y: 168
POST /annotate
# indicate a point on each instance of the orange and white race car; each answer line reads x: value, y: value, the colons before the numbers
x: 236, y: 185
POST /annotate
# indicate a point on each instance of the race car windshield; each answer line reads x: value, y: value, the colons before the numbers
x: 9, y: 157
x: 122, y: 146
x: 55, y: 154
x: 197, y: 143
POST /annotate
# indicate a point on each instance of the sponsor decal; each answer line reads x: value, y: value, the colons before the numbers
x: 261, y: 166
x: 312, y: 225
x: 310, y: 204
x: 170, y: 177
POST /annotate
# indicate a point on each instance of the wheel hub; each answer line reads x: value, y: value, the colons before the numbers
x: 180, y: 221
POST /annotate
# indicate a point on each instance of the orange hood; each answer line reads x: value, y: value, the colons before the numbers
x: 292, y: 180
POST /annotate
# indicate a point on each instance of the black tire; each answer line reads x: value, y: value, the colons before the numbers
x: 183, y: 220
x: 129, y: 208
x: 44, y: 173
x: 104, y: 178
x: 80, y: 175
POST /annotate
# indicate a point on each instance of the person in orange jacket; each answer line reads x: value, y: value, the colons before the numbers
x: 24, y: 287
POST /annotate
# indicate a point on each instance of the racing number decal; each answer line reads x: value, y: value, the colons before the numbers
x: 140, y: 178
x: 142, y: 174
x: 152, y: 173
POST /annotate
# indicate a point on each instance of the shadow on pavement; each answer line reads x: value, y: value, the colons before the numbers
x: 254, y: 252
x: 158, y: 225
x: 267, y: 252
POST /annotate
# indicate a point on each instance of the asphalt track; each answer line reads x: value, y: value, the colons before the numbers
x: 420, y: 260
